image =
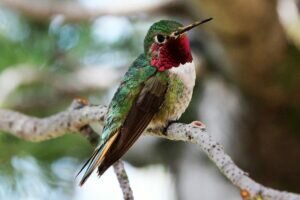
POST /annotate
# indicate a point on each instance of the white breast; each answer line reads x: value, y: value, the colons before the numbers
x: 172, y: 108
x: 187, y: 74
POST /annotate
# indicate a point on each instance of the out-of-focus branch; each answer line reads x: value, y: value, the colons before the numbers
x: 254, y: 42
x: 123, y: 180
x: 80, y: 115
x: 82, y: 79
x: 73, y: 11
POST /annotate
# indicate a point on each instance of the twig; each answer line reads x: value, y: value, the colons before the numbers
x: 34, y: 129
x: 123, y: 180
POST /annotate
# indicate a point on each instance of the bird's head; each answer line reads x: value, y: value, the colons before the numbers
x: 167, y: 45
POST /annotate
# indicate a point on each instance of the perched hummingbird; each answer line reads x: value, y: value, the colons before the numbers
x: 156, y: 89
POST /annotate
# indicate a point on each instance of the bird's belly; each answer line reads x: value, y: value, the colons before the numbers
x: 178, y: 95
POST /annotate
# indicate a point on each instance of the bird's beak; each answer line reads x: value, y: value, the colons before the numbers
x: 184, y: 29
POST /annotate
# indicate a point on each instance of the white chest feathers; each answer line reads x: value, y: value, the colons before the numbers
x: 186, y: 73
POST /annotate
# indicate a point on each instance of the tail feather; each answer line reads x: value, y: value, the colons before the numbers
x: 85, y: 164
x: 96, y: 159
x: 92, y: 164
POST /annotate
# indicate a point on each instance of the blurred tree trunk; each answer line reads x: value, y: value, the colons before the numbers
x: 267, y: 71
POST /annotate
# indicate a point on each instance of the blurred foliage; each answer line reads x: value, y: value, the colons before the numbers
x: 72, y: 145
x: 62, y: 48
x: 29, y: 51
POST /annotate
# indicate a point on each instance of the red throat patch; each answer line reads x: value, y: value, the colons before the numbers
x: 171, y: 54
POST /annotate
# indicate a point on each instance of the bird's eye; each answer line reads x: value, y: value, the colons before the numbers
x: 160, y: 39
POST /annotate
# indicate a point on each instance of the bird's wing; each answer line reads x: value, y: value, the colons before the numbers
x: 131, y: 110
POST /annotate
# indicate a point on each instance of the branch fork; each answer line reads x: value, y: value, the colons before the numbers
x: 80, y: 114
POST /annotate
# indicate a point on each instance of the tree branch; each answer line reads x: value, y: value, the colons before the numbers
x: 43, y: 11
x: 80, y: 115
x: 95, y: 77
x: 39, y: 129
x: 123, y: 180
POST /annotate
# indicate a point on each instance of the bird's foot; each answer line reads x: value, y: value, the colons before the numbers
x: 164, y: 131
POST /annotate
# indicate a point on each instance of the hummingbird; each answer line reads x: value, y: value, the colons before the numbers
x: 156, y: 90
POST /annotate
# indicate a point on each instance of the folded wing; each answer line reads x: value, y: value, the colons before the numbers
x: 144, y: 107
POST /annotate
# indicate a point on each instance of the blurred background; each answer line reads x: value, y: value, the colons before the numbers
x: 247, y: 93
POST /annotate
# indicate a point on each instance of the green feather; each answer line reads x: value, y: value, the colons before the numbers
x: 129, y: 89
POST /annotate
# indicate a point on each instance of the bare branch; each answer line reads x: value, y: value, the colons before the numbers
x: 84, y: 78
x: 74, y: 11
x: 123, y: 180
x: 34, y: 129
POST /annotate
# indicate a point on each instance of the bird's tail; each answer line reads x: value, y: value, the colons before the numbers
x: 96, y: 159
x: 91, y: 164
